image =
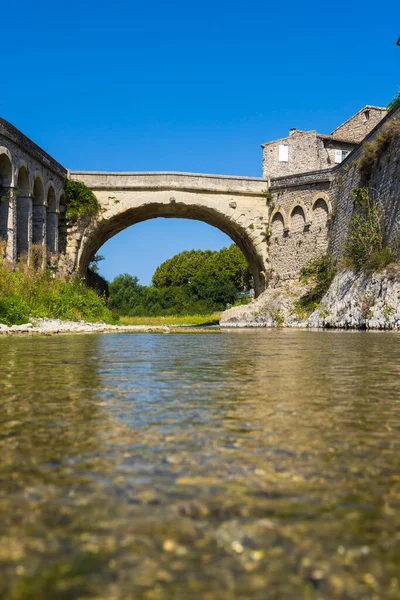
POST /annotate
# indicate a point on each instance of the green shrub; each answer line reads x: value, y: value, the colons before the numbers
x: 13, y: 310
x: 366, y: 248
x: 394, y: 102
x: 36, y: 293
x: 372, y: 151
x: 80, y: 201
x: 321, y: 270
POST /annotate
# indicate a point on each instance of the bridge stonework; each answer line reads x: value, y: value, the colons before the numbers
x: 235, y: 205
x: 279, y: 224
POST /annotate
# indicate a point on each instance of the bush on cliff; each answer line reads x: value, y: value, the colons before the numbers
x: 366, y: 248
x: 34, y: 293
x: 320, y: 271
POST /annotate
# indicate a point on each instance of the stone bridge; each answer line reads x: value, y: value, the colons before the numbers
x: 279, y: 225
x: 236, y: 205
x: 32, y: 210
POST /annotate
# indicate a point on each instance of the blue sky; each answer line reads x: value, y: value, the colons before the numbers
x: 185, y: 86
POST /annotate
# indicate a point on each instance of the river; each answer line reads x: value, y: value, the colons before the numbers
x: 219, y: 466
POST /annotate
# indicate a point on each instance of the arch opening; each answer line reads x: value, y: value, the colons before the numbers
x: 24, y: 212
x: 105, y: 229
x: 38, y: 213
x: 5, y: 188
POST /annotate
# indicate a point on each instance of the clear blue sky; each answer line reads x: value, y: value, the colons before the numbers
x: 187, y: 86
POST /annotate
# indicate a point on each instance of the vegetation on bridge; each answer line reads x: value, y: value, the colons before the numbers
x: 80, y: 201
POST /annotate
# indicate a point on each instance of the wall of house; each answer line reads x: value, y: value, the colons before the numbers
x: 358, y: 126
x: 302, y: 149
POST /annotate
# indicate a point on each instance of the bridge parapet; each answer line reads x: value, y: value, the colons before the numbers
x: 169, y: 180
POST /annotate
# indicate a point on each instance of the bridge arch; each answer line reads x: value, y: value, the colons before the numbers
x: 135, y: 208
x: 6, y: 183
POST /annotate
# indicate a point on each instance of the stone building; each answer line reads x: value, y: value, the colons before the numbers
x: 303, y: 151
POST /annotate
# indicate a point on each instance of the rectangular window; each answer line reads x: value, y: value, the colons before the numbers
x: 338, y: 156
x: 283, y: 153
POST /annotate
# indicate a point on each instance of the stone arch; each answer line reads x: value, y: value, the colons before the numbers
x: 298, y: 217
x: 6, y: 168
x: 278, y: 223
x: 51, y: 219
x: 6, y: 183
x: 24, y: 210
x: 38, y: 211
x: 150, y: 205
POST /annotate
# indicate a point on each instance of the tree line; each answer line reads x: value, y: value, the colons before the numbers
x: 191, y: 282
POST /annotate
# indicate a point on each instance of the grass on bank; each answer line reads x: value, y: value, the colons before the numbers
x: 28, y: 293
x: 201, y: 320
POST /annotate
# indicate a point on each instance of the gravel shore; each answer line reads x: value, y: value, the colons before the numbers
x: 54, y: 326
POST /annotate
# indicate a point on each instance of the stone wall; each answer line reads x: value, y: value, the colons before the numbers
x: 384, y: 185
x: 299, y: 226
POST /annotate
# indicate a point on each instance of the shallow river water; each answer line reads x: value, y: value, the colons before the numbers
x: 218, y: 466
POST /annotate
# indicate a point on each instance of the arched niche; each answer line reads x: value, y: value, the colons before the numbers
x: 297, y: 219
x: 277, y: 224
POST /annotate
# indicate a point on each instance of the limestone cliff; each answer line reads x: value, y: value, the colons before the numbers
x: 357, y: 301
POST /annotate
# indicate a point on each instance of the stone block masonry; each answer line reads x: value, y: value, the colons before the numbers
x: 31, y: 195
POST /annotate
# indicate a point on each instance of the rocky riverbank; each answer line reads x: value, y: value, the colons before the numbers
x: 353, y: 301
x: 54, y: 326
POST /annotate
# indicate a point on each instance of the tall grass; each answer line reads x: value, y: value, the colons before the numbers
x: 211, y: 319
x: 30, y: 292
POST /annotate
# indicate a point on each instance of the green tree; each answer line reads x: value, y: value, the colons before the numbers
x: 182, y: 268
x: 124, y: 293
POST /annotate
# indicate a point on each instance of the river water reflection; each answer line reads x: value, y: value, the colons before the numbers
x: 225, y: 466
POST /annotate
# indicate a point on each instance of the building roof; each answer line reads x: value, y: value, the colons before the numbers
x: 367, y: 107
x: 323, y: 136
x: 289, y: 137
x: 332, y: 137
x: 337, y: 139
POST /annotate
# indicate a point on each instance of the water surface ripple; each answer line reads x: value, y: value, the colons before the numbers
x: 221, y: 466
